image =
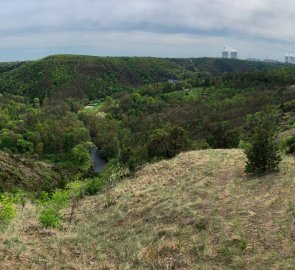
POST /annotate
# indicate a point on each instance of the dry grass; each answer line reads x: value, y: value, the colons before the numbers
x: 197, y: 211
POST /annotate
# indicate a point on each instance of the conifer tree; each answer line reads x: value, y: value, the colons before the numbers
x: 263, y: 154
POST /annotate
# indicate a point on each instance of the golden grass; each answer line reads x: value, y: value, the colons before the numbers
x: 196, y: 211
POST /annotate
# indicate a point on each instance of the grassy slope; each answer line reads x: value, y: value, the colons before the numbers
x: 27, y: 174
x: 197, y: 211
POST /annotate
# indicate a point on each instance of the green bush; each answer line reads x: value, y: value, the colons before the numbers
x: 49, y: 217
x: 93, y: 186
x: 76, y: 189
x: 60, y: 199
x: 50, y: 208
x: 7, y: 209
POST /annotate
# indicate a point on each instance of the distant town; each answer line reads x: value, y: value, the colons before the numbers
x: 231, y: 53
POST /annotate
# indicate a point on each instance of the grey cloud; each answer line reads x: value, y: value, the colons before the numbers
x: 261, y: 23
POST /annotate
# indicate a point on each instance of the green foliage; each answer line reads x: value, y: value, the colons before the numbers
x: 144, y: 109
x: 24, y: 146
x: 49, y: 215
x: 167, y: 142
x: 263, y: 155
x: 44, y: 198
x: 76, y: 189
x: 81, y: 157
x: 290, y: 144
x: 7, y: 209
x: 113, y: 172
x: 60, y: 199
x: 289, y: 106
x: 244, y: 145
x: 50, y: 218
x: 47, y: 130
x: 93, y: 186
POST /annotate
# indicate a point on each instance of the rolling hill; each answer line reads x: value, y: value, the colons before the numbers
x: 80, y: 76
x: 196, y: 211
x: 89, y: 76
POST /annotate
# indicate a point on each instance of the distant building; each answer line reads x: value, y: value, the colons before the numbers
x: 225, y: 54
x: 229, y: 53
x: 234, y: 55
x: 290, y: 59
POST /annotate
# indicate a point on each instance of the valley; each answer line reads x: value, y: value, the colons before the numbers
x: 140, y: 163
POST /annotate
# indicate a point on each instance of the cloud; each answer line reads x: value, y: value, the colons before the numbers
x: 52, y: 26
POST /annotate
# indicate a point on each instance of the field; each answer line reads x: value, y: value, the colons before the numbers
x: 196, y: 211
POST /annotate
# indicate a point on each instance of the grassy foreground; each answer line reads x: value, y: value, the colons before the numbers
x: 196, y: 211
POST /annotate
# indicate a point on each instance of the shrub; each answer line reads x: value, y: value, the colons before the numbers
x: 50, y: 208
x: 93, y: 186
x: 7, y: 209
x: 49, y: 217
x: 60, y: 199
x: 76, y: 189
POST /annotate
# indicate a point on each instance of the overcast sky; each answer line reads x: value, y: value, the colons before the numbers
x: 32, y: 29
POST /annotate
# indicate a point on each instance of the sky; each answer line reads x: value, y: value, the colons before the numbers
x: 33, y: 29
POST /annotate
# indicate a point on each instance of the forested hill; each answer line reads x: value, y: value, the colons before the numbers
x: 80, y: 76
x: 97, y: 77
x: 217, y: 66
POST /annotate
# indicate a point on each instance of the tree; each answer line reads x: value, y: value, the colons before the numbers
x: 263, y: 155
x: 81, y: 157
x: 158, y: 143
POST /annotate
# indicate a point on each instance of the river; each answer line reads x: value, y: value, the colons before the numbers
x: 98, y: 161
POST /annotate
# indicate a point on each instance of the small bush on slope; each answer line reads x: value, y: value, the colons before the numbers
x: 7, y: 209
x: 50, y: 208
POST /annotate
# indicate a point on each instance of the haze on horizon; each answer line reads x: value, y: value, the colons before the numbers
x: 33, y: 29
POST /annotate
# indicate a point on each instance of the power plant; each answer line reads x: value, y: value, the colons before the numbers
x: 290, y: 59
x: 229, y: 53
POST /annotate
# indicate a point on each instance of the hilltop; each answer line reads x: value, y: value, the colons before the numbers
x: 196, y: 211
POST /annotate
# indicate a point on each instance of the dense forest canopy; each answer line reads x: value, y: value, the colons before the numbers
x: 134, y: 109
